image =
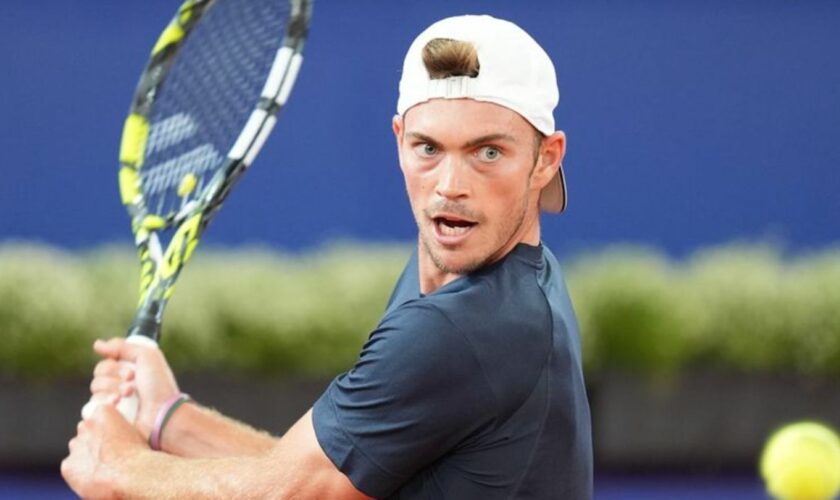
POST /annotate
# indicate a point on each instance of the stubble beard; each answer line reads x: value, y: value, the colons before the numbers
x: 507, y: 230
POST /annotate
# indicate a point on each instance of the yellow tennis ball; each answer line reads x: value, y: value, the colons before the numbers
x: 801, y: 461
x: 187, y: 185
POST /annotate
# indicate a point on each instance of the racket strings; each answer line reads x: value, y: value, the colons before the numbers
x: 206, y: 99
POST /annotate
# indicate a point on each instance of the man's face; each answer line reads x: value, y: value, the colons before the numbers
x: 467, y: 168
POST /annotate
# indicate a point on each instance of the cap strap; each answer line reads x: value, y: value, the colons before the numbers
x: 452, y: 87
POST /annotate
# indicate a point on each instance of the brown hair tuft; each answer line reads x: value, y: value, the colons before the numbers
x: 445, y: 57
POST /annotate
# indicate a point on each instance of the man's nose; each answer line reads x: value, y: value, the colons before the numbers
x: 452, y: 179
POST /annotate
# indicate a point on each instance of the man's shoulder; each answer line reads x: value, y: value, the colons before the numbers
x: 419, y: 334
x: 501, y: 299
x: 503, y: 317
x: 503, y: 312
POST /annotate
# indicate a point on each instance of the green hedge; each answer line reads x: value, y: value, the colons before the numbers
x: 737, y: 307
x: 249, y: 310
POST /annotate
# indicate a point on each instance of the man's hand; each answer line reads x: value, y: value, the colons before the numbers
x: 100, y: 451
x: 133, y: 369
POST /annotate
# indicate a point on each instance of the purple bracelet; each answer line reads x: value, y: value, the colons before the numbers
x: 163, y: 416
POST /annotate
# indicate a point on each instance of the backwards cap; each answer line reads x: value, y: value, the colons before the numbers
x: 514, y: 72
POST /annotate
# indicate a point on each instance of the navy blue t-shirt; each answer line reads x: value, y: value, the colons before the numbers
x: 474, y: 391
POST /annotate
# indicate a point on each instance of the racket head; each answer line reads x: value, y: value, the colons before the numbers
x: 204, y: 105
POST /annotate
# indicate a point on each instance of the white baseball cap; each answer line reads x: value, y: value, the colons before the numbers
x: 514, y: 72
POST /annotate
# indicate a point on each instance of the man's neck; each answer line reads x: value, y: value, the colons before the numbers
x: 431, y: 277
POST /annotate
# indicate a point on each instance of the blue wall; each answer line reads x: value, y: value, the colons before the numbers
x: 690, y: 123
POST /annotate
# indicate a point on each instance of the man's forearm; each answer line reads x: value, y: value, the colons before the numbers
x: 198, y: 432
x: 294, y: 466
x: 161, y: 476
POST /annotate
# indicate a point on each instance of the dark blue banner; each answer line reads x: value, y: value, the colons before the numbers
x: 689, y: 123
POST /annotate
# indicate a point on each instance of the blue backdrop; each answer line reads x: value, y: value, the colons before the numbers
x: 689, y: 123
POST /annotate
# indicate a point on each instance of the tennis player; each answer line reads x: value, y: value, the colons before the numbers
x: 471, y: 385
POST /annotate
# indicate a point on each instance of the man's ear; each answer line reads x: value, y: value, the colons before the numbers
x: 397, y: 127
x: 552, y: 151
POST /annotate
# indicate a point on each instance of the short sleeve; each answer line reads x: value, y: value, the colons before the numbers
x: 416, y: 392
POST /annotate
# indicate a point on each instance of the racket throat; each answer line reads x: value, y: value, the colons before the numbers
x: 146, y: 322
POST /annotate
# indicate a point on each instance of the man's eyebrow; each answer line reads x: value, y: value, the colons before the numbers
x: 422, y: 137
x: 484, y: 139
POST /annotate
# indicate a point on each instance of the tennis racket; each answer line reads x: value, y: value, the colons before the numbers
x: 204, y: 106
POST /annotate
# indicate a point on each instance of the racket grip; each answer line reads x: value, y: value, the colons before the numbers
x: 129, y: 405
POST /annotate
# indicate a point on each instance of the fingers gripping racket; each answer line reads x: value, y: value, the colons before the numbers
x: 204, y: 106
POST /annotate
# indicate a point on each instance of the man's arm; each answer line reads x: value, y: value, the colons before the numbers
x: 108, y: 458
x: 206, y: 454
x: 192, y: 431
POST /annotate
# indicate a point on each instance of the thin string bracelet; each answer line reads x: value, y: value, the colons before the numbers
x: 164, y: 414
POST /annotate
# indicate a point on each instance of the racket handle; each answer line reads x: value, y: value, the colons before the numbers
x: 127, y: 406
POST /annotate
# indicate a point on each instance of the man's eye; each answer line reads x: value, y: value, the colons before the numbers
x: 426, y: 150
x: 489, y: 153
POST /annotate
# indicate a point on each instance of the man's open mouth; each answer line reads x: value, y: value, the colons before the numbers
x: 452, y: 226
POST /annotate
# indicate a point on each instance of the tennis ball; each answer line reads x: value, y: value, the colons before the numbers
x: 187, y: 185
x: 801, y: 461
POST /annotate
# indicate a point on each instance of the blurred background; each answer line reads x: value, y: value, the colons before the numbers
x: 701, y: 239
